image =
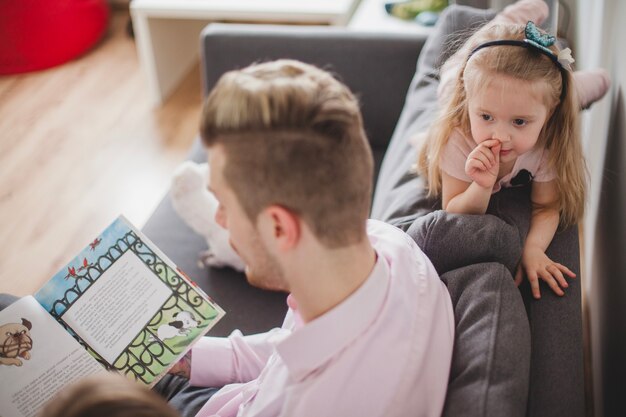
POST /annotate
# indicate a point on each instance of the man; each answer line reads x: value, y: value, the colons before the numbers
x: 369, y: 331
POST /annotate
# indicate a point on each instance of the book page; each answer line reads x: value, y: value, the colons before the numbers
x: 38, y: 358
x: 117, y: 306
x: 129, y: 304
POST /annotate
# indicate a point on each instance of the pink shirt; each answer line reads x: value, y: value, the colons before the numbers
x: 459, y: 147
x: 384, y: 351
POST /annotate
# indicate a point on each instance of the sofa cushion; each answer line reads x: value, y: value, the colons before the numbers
x: 490, y: 368
x: 491, y: 359
x: 453, y: 241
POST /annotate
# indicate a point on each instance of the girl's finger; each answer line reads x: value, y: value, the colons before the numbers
x: 481, y: 154
x: 475, y: 164
x: 483, y: 158
x: 490, y: 143
x: 556, y: 274
x: 565, y: 270
x: 534, y: 284
x: 489, y: 156
x: 548, y: 279
x: 496, y: 153
x: 487, y: 152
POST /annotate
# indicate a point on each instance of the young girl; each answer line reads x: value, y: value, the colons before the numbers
x: 511, y: 108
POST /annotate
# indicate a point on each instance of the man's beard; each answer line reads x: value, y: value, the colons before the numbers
x: 262, y: 269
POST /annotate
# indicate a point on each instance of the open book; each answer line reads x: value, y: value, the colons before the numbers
x: 120, y: 305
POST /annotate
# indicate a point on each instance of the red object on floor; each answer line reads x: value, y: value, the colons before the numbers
x: 38, y: 34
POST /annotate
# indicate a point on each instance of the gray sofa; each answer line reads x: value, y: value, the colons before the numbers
x: 513, y: 356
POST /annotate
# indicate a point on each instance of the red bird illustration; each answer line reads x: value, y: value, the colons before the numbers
x: 71, y: 272
x: 95, y: 243
x: 84, y: 266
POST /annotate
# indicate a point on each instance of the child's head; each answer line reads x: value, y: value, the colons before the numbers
x: 511, y: 110
x: 536, y: 76
x: 107, y: 395
x: 520, y: 85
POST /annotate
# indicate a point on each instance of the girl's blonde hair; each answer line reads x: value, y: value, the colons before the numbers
x: 560, y: 134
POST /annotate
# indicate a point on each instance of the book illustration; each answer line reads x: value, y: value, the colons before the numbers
x: 71, y: 270
x: 149, y: 354
x: 15, y: 343
x: 182, y: 324
x: 92, y: 297
x: 51, y: 359
x: 95, y: 243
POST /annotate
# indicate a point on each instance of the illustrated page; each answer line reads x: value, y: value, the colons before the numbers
x: 37, y: 358
x: 128, y: 304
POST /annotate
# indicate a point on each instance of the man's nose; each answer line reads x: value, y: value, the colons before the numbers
x: 220, y: 218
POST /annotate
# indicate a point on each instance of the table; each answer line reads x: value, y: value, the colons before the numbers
x: 167, y: 31
x: 371, y: 16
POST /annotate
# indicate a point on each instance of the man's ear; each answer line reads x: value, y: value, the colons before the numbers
x: 284, y: 226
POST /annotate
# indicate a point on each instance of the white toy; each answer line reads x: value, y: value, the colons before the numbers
x: 197, y: 207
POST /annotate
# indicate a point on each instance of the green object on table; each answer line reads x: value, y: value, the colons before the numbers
x: 427, y: 18
x: 408, y: 10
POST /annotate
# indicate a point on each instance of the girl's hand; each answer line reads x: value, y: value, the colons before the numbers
x: 535, y: 264
x: 483, y: 163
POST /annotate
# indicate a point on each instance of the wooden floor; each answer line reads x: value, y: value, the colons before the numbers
x: 79, y: 144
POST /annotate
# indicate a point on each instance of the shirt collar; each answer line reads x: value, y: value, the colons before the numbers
x: 315, y: 343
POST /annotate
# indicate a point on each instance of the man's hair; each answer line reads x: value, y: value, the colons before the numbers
x: 293, y: 136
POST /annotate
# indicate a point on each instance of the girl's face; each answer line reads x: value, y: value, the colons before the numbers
x: 509, y: 110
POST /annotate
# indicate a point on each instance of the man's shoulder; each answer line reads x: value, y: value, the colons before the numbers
x: 405, y: 258
x: 384, y: 235
x: 381, y: 229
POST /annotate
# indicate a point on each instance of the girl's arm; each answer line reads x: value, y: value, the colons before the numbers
x: 543, y: 224
x: 458, y: 196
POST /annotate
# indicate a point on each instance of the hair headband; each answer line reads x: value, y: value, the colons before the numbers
x: 540, y: 42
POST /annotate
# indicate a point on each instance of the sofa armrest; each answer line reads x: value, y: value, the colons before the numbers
x: 377, y: 67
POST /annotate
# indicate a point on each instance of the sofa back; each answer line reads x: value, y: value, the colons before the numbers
x: 226, y: 47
